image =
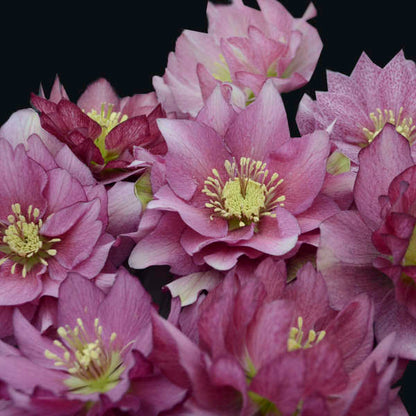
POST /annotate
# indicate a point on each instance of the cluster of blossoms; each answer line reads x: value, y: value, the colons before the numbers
x: 291, y: 260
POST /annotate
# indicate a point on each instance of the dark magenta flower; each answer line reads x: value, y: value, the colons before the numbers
x: 266, y: 347
x: 102, y: 129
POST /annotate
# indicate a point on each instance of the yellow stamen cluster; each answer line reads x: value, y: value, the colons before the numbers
x: 107, y: 120
x: 380, y: 118
x: 246, y: 196
x: 22, y: 242
x: 295, y: 339
x: 92, y: 365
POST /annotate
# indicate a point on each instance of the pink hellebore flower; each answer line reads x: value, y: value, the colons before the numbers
x: 97, y: 361
x: 233, y: 184
x: 102, y: 129
x: 53, y: 218
x: 243, y: 46
x: 266, y: 347
x: 363, y: 103
x: 372, y: 249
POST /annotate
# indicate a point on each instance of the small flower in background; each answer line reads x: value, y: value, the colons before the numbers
x: 101, y: 129
x: 267, y: 347
x: 53, y: 218
x: 243, y: 47
x: 363, y: 103
x: 371, y: 249
x: 97, y: 360
x: 235, y: 185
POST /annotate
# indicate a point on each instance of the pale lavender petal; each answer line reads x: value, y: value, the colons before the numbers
x: 189, y: 287
x: 124, y: 209
x: 22, y: 124
x: 23, y: 180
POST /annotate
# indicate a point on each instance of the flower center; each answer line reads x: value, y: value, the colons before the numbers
x: 222, y: 71
x: 380, y: 118
x: 246, y: 196
x: 21, y: 241
x: 295, y: 340
x: 107, y: 120
x: 93, y: 366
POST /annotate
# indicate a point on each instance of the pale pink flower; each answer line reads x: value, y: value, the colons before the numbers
x: 244, y: 47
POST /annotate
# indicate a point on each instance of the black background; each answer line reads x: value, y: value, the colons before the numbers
x: 128, y: 43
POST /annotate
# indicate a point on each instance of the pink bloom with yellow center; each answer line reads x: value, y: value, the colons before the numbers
x: 232, y: 184
x: 53, y: 218
x: 96, y: 360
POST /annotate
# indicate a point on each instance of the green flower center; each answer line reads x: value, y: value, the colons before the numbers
x: 222, y: 71
x: 246, y: 196
x: 21, y: 241
x: 107, y: 120
x: 380, y: 118
x: 93, y: 367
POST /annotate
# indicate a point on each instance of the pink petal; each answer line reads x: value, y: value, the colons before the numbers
x: 78, y: 298
x: 26, y: 187
x: 98, y: 93
x: 301, y: 163
x: 162, y: 246
x: 189, y: 287
x: 194, y: 150
x: 345, y: 259
x: 261, y: 128
x: 393, y: 317
x: 275, y: 236
x: 384, y: 159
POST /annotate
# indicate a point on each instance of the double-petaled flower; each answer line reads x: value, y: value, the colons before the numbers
x: 53, y: 219
x: 243, y: 47
x: 102, y: 129
x: 232, y: 184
